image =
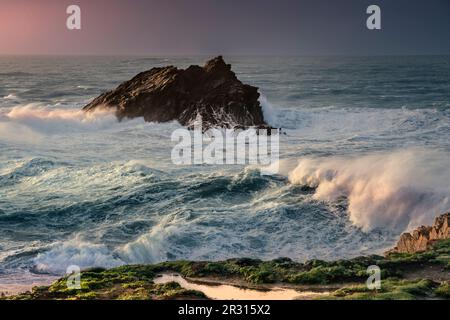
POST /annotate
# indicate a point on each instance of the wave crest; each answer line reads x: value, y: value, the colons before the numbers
x: 82, y: 254
x: 34, y: 112
x: 399, y: 190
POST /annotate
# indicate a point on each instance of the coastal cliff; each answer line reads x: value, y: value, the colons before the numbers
x: 212, y: 92
x: 424, y: 237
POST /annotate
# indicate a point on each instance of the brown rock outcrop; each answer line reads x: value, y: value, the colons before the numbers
x: 423, y: 238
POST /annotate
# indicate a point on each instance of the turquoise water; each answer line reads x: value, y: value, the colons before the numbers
x: 365, y: 157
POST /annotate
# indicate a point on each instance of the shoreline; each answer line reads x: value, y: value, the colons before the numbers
x: 11, y: 288
x: 417, y: 268
x: 404, y: 276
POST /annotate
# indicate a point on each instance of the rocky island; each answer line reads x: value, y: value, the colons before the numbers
x: 405, y: 274
x: 171, y: 94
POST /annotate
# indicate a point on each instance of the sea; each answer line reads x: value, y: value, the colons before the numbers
x: 364, y: 156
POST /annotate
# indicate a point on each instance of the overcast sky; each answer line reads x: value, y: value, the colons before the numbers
x: 231, y: 27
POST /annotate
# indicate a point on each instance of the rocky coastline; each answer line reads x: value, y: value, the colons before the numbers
x: 412, y: 270
x: 424, y: 237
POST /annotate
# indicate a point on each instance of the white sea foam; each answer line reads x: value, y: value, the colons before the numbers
x: 151, y: 247
x: 75, y: 252
x: 269, y: 112
x: 148, y: 248
x: 397, y: 191
x: 49, y: 118
x: 10, y: 96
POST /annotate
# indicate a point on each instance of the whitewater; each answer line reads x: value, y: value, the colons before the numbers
x: 365, y: 157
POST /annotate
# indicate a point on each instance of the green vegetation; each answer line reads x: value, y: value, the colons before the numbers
x: 443, y: 290
x: 391, y: 289
x: 439, y: 254
x: 123, y: 283
x: 136, y: 281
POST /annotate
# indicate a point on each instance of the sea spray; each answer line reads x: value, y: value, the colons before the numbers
x: 48, y: 118
x: 269, y: 112
x: 399, y: 190
x: 75, y: 252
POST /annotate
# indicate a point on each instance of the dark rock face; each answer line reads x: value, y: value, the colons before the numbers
x: 166, y: 94
x: 423, y: 238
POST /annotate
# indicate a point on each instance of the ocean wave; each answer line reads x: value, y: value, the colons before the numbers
x: 153, y: 246
x: 269, y: 112
x: 244, y: 183
x: 60, y: 185
x: 75, y: 252
x: 16, y: 74
x: 333, y: 121
x: 10, y: 96
x: 26, y: 168
x: 398, y: 191
x: 48, y: 118
x: 183, y: 216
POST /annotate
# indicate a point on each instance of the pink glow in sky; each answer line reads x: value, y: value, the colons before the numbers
x: 158, y: 27
x: 108, y: 27
x: 39, y: 27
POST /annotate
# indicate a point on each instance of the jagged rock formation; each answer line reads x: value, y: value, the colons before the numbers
x: 166, y: 94
x: 423, y: 238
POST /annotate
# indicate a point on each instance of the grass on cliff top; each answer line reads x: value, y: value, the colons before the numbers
x: 439, y: 254
x: 394, y: 289
x: 278, y: 270
x: 314, y: 271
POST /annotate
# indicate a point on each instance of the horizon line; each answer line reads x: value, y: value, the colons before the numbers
x: 179, y: 55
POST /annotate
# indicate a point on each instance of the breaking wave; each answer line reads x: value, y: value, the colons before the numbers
x: 399, y: 190
x: 270, y: 115
x: 51, y: 118
x: 10, y: 96
x: 76, y: 252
